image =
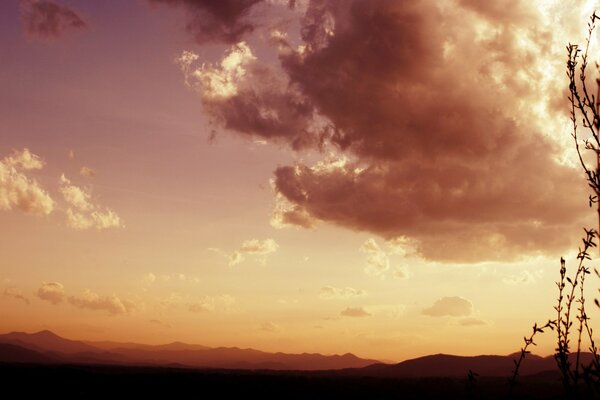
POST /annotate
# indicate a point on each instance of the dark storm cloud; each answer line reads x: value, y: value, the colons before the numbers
x: 46, y: 19
x: 444, y: 153
x: 435, y: 108
x: 216, y: 20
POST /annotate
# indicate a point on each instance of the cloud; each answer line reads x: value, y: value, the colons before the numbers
x: 440, y: 114
x: 82, y: 213
x: 92, y: 301
x: 211, y: 303
x: 400, y: 273
x: 25, y: 160
x: 87, y: 172
x: 472, y: 322
x: 160, y: 323
x: 270, y: 327
x: 149, y: 278
x: 354, y: 312
x: 253, y: 247
x: 378, y: 261
x: 16, y: 294
x: 53, y: 292
x: 216, y: 21
x: 19, y: 191
x: 330, y: 292
x: 46, y: 19
x: 251, y: 98
x: 450, y: 306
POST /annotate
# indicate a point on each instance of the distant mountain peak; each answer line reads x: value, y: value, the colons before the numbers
x: 45, y: 333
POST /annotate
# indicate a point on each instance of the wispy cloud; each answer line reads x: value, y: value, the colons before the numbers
x: 354, y: 312
x: 46, y: 19
x: 82, y: 212
x: 331, y: 292
x: 92, y: 301
x: 14, y: 293
x: 260, y: 249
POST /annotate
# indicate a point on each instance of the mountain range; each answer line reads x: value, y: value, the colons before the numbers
x: 45, y: 347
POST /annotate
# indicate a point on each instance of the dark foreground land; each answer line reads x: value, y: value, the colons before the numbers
x: 104, y: 381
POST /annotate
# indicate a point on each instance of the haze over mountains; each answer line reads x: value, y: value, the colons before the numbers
x: 59, y: 349
x: 46, y: 347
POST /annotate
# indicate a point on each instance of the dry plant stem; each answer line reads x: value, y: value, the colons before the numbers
x: 562, y: 357
x: 588, y: 106
x: 528, y: 341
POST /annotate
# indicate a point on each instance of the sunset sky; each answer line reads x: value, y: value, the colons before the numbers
x: 387, y: 178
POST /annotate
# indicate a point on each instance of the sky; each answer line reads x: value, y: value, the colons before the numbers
x: 391, y: 179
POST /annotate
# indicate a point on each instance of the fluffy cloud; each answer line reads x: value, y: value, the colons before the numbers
x: 160, y: 323
x: 46, y: 19
x: 216, y: 21
x: 378, y: 259
x: 16, y: 294
x: 441, y: 114
x: 53, y: 292
x: 270, y: 327
x: 253, y: 247
x: 251, y: 98
x: 87, y: 172
x: 149, y: 278
x: 354, y: 312
x: 262, y: 247
x: 211, y: 303
x: 25, y: 160
x: 82, y: 213
x: 450, y: 306
x: 477, y: 181
x: 93, y: 301
x: 19, y: 191
x: 330, y: 292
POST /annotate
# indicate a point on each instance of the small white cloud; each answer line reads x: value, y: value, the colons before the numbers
x: 19, y: 191
x: 400, y: 273
x: 52, y: 292
x: 14, y: 293
x: 251, y: 247
x: 201, y: 307
x: 74, y: 195
x: 93, y: 301
x: 82, y: 212
x: 330, y: 292
x: 378, y: 261
x: 87, y: 172
x: 270, y: 327
x: 450, y: 306
x: 212, y: 303
x: 149, y: 278
x: 25, y: 160
x: 354, y: 312
x: 262, y: 247
x: 160, y: 323
x: 217, y: 82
